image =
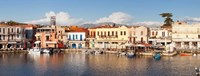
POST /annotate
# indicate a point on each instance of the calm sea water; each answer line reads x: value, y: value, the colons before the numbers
x: 95, y: 65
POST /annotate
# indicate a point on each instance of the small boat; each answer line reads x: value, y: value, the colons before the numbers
x: 45, y: 51
x: 194, y: 54
x: 157, y: 56
x: 130, y: 55
x: 185, y: 54
x: 98, y: 52
x: 122, y: 53
x: 34, y: 51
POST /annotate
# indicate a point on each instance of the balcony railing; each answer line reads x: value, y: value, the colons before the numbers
x: 106, y: 36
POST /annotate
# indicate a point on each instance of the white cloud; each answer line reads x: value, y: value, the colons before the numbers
x: 116, y: 17
x: 148, y: 23
x: 190, y: 19
x: 62, y: 18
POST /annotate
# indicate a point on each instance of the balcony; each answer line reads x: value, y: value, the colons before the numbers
x: 105, y: 36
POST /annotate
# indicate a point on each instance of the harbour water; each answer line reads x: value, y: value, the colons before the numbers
x: 72, y: 64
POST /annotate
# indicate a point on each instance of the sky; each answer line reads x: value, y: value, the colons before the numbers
x: 77, y: 12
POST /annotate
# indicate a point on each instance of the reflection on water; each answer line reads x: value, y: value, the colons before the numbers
x: 92, y: 65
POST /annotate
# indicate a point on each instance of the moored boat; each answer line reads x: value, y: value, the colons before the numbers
x: 130, y: 54
x: 157, y: 56
x: 34, y: 51
x: 45, y: 51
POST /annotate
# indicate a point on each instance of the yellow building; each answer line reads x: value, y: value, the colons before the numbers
x: 108, y: 36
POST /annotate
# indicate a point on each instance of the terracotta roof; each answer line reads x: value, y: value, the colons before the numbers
x: 77, y: 29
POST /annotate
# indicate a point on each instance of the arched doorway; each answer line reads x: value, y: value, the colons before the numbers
x: 79, y: 45
x: 9, y: 46
x: 74, y: 45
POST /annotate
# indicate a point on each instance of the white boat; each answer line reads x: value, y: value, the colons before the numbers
x: 98, y: 52
x: 123, y: 53
x: 130, y: 54
x: 34, y: 51
x: 45, y: 50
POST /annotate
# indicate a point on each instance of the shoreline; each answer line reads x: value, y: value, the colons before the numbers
x: 149, y: 53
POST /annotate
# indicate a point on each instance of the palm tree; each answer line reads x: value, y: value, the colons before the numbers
x: 168, y: 20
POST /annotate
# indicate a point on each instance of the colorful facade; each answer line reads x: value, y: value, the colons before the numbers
x: 50, y: 37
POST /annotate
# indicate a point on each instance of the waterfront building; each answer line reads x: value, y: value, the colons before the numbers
x: 77, y: 37
x: 50, y: 37
x: 159, y: 36
x: 186, y: 36
x: 108, y: 36
x: 138, y: 34
x: 12, y: 36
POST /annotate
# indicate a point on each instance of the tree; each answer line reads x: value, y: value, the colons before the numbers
x: 168, y: 20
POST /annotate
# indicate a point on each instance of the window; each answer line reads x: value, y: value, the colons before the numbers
x: 12, y: 30
x: 186, y: 36
x: 17, y: 30
x: 156, y: 33
x: 101, y: 33
x: 108, y: 33
x: 141, y: 32
x: 163, y: 34
x: 0, y: 37
x: 141, y: 39
x: 94, y: 34
x: 12, y: 37
x: 47, y: 38
x: 98, y: 33
x: 81, y: 37
x: 199, y: 36
x: 105, y: 33
x: 69, y: 37
x: 121, y: 33
x: 17, y: 36
x: 112, y: 33
x: 0, y: 29
x: 73, y: 37
x: 91, y: 33
x: 124, y: 32
x: 116, y: 33
x: 76, y: 36
x: 152, y: 33
x: 3, y: 30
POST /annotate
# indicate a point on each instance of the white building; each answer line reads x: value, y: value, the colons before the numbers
x: 186, y: 36
x: 159, y: 36
x: 76, y: 39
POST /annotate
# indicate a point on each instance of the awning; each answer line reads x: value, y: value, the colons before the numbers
x: 143, y: 45
x: 37, y: 34
x: 51, y: 42
x: 37, y: 42
x: 12, y: 42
